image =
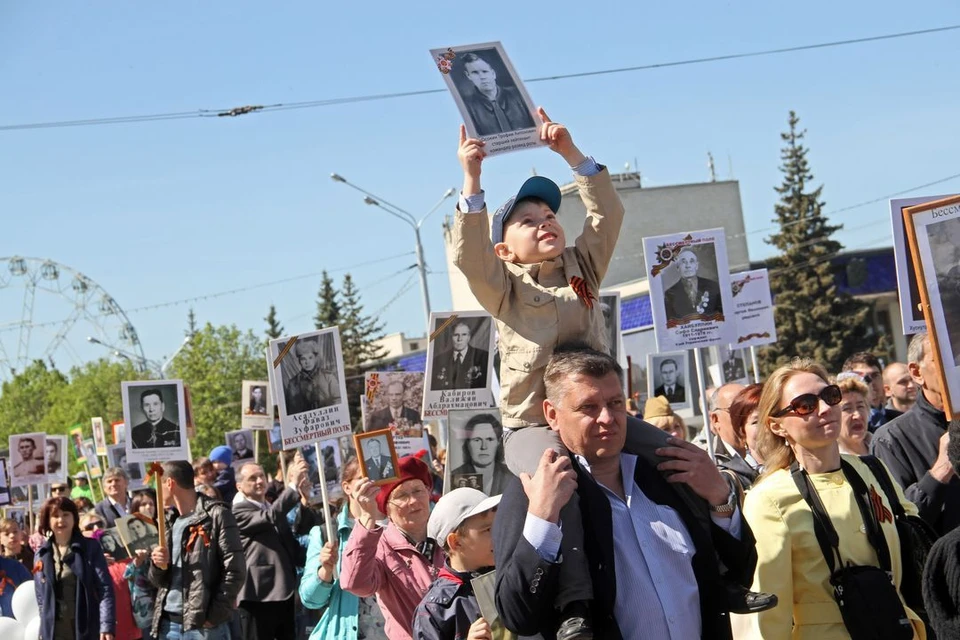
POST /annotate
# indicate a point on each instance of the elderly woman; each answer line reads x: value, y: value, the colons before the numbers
x: 395, y: 561
x: 74, y: 588
x: 799, y: 416
x: 657, y: 411
x: 483, y: 455
x: 854, y: 414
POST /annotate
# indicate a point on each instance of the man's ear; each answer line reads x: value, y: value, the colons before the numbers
x: 714, y: 423
x: 504, y: 252
x: 915, y: 373
x: 550, y: 413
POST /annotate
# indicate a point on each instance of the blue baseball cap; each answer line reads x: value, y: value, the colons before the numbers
x: 535, y: 187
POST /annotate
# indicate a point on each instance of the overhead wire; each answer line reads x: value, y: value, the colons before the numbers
x: 233, y: 112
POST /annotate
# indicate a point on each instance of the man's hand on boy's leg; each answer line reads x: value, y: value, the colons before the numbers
x: 559, y: 139
x: 471, y: 155
x: 551, y: 487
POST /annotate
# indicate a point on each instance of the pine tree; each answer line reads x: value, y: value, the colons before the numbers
x: 191, y: 324
x: 328, y: 305
x: 814, y: 318
x: 274, y: 328
x: 358, y: 336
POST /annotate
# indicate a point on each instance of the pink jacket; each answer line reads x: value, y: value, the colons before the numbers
x: 384, y: 563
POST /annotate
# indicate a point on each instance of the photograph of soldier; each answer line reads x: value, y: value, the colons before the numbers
x: 458, y: 363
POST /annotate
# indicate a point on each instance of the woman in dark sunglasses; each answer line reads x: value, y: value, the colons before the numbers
x: 799, y: 419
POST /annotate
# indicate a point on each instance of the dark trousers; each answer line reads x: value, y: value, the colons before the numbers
x: 267, y: 620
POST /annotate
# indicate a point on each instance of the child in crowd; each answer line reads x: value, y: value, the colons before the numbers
x: 12, y: 543
x: 226, y: 480
x: 461, y: 523
x: 542, y: 293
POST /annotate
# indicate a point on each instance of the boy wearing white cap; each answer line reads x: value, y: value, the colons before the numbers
x: 461, y: 523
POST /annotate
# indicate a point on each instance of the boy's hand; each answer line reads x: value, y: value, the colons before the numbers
x: 471, y: 155
x: 551, y: 487
x: 559, y: 139
x: 480, y: 630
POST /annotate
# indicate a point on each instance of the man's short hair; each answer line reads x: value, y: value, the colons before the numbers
x: 917, y: 348
x: 669, y: 361
x: 30, y: 440
x: 462, y: 323
x: 116, y: 472
x: 151, y: 392
x: 472, y: 57
x: 576, y: 358
x: 180, y: 471
x: 241, y: 471
x: 861, y: 357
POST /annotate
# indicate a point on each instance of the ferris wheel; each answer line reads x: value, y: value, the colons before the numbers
x: 62, y: 316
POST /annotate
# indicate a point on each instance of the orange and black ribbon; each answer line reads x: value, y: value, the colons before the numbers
x: 582, y: 290
x: 38, y: 566
x: 197, y: 531
x: 6, y: 580
x: 880, y: 511
x: 154, y: 472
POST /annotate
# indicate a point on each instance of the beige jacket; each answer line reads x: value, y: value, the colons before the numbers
x: 534, y: 304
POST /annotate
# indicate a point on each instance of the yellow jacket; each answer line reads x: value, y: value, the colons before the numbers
x: 791, y: 564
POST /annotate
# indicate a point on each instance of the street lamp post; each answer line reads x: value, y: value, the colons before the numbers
x: 142, y: 364
x: 415, y: 224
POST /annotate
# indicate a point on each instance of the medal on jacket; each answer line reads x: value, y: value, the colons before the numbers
x: 583, y: 292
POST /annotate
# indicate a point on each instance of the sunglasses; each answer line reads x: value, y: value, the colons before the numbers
x: 59, y: 489
x: 90, y: 526
x: 807, y: 403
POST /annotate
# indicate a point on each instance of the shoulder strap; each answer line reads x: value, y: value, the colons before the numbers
x: 886, y: 484
x: 822, y: 527
x: 862, y: 496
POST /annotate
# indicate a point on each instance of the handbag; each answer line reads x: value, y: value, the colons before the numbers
x: 866, y: 595
x: 916, y: 539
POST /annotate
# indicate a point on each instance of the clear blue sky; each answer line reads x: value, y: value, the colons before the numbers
x: 161, y: 211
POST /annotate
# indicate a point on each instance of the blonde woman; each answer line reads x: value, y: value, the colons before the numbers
x: 854, y: 414
x: 799, y: 416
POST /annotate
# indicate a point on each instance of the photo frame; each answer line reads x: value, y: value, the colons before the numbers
x: 309, y: 378
x: 4, y: 486
x: 673, y: 382
x: 99, y: 437
x: 753, y: 308
x: 732, y: 365
x: 137, y: 534
x: 610, y: 307
x: 242, y: 444
x: 76, y: 443
x: 256, y: 404
x: 908, y: 289
x: 55, y: 456
x: 157, y: 409
x: 690, y: 293
x: 475, y: 452
x: 117, y: 457
x: 933, y: 237
x: 112, y: 543
x: 18, y: 515
x: 479, y: 75
x: 377, y: 456
x: 119, y: 432
x: 93, y: 460
x: 332, y: 459
x: 459, y: 372
x: 393, y: 401
x: 27, y: 465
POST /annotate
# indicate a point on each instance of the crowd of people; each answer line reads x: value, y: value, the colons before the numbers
x: 805, y: 517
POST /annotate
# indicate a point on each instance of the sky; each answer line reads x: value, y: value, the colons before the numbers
x: 159, y: 212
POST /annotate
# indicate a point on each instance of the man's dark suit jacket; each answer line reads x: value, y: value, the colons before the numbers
x: 678, y: 305
x: 269, y: 547
x: 382, y: 419
x: 108, y: 512
x: 527, y: 585
x: 679, y: 393
x: 168, y: 434
x: 447, y: 375
x: 379, y: 471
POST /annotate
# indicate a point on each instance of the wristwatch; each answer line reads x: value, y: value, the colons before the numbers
x: 728, y: 507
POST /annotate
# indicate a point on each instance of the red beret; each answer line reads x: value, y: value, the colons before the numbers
x: 411, y: 468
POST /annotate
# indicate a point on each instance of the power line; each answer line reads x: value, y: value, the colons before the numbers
x: 312, y: 104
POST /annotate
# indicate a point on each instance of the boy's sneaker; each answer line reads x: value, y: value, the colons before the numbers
x: 742, y: 600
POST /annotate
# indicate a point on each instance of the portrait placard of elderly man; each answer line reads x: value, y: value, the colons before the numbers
x: 693, y: 297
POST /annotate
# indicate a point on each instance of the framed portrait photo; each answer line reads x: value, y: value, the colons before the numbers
x: 933, y: 235
x: 241, y: 443
x: 55, y: 455
x: 137, y: 533
x: 117, y: 457
x: 475, y: 452
x: 393, y: 401
x: 113, y: 545
x: 119, y: 432
x: 157, y: 411
x: 491, y: 97
x: 377, y: 456
x: 256, y: 403
x: 27, y: 464
x: 99, y: 437
x: 4, y: 486
x: 76, y: 443
x: 459, y: 371
x: 667, y: 375
x: 753, y: 308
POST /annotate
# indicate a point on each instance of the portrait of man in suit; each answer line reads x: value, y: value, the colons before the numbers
x: 462, y: 366
x: 376, y: 458
x: 156, y: 431
x: 54, y: 464
x: 670, y: 386
x: 395, y: 413
x: 241, y: 446
x: 693, y: 297
x: 494, y: 103
x: 733, y: 368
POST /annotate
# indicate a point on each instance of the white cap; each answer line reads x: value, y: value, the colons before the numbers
x: 455, y: 507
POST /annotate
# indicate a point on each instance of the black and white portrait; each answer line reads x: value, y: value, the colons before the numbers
x: 610, y: 307
x: 242, y: 446
x: 394, y: 402
x: 18, y: 515
x: 695, y: 292
x: 138, y: 533
x: 667, y: 376
x: 733, y: 365
x: 93, y: 461
x: 27, y: 455
x: 275, y: 439
x: 4, y: 487
x: 99, y: 437
x: 475, y: 451
x: 945, y: 252
x: 378, y: 458
x: 55, y: 455
x: 256, y: 402
x: 461, y: 359
x: 309, y: 374
x: 112, y: 544
x: 119, y: 432
x: 157, y: 411
x: 18, y: 494
x: 117, y: 457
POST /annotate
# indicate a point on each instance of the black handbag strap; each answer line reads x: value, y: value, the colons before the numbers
x: 886, y: 484
x: 823, y: 528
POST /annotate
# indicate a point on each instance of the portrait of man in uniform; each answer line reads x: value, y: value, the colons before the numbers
x: 156, y: 431
x: 693, y: 297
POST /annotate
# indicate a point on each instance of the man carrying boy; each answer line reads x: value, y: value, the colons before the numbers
x: 461, y: 523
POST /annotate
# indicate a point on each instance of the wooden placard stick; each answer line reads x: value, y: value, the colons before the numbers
x: 156, y: 472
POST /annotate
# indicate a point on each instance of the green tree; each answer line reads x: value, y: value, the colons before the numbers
x: 328, y: 304
x: 213, y: 365
x: 814, y: 318
x: 274, y: 328
x: 26, y: 399
x: 191, y: 324
x: 358, y: 335
x: 94, y: 390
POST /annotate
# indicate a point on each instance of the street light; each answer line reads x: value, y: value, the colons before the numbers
x: 143, y: 364
x: 410, y: 219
